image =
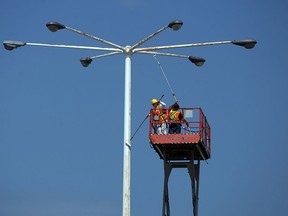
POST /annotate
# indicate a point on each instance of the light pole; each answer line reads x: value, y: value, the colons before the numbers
x: 128, y: 51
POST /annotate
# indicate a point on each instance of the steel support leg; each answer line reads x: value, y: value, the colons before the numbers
x: 166, y: 206
x: 194, y: 171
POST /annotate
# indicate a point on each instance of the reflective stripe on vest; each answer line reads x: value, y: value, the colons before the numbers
x: 158, y: 112
x: 174, y: 115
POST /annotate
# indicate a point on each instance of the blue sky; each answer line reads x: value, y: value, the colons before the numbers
x: 61, y: 125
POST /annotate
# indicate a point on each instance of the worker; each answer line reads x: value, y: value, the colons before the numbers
x: 176, y: 119
x: 159, y: 117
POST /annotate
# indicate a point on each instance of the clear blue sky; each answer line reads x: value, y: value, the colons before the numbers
x: 61, y: 125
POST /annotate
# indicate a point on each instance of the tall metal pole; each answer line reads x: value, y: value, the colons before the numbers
x: 127, y: 138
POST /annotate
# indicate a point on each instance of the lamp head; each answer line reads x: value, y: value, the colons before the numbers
x: 54, y: 26
x: 175, y: 25
x: 248, y: 44
x: 196, y: 60
x: 10, y: 45
x: 85, y: 61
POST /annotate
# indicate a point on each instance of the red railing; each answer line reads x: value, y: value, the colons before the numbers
x: 196, y: 119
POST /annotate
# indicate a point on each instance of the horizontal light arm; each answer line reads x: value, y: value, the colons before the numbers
x: 88, y: 60
x: 73, y: 47
x: 105, y: 55
x: 181, y: 46
x: 162, y: 54
x: 10, y: 45
x: 198, y: 61
x: 246, y: 43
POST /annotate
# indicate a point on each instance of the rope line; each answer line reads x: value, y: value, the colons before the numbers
x: 168, y: 83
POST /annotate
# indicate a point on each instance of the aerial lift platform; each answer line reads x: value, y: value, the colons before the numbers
x: 183, y: 150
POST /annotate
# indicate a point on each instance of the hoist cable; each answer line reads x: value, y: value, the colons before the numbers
x: 173, y: 94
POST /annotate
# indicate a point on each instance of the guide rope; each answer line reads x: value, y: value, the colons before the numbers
x: 167, y: 81
x: 143, y: 121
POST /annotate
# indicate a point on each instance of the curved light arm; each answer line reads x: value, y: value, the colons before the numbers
x: 175, y: 25
x: 245, y: 43
x: 54, y: 26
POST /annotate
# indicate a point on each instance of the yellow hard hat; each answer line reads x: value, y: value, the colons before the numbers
x: 154, y: 101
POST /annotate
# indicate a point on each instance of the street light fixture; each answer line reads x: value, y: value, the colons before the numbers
x: 86, y: 61
x: 175, y: 25
x: 248, y: 44
x: 128, y: 51
x: 54, y: 26
x: 10, y: 45
x: 196, y: 60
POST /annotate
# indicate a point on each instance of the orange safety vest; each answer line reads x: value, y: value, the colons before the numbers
x: 161, y: 116
x: 174, y: 115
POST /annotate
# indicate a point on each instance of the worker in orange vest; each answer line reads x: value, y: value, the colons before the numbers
x: 159, y: 117
x: 176, y: 119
